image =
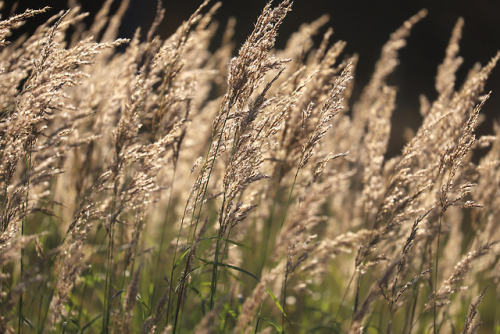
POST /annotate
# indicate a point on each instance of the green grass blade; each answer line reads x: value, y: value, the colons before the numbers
x: 91, y: 322
x: 231, y: 267
x: 273, y: 323
x: 277, y: 303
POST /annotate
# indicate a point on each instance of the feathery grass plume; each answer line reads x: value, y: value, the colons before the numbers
x: 471, y: 323
x: 372, y: 112
x: 158, y: 185
x: 452, y: 284
x: 130, y: 301
x: 385, y: 65
x: 246, y: 73
x: 253, y: 302
x: 445, y: 78
x: 6, y: 26
x: 70, y: 270
x: 486, y: 191
x: 375, y: 145
x: 331, y: 107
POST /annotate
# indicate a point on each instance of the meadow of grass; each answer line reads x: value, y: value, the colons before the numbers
x: 156, y: 186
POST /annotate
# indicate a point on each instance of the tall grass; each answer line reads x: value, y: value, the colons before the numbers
x: 155, y: 186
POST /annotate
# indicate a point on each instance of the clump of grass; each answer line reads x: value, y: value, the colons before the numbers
x: 163, y: 187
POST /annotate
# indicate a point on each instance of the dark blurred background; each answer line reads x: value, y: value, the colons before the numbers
x: 365, y: 25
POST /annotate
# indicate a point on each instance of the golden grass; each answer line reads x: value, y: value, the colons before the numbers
x: 166, y: 188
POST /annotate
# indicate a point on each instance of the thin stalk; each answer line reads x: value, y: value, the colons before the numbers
x: 413, y: 309
x: 163, y: 229
x: 281, y: 226
x: 109, y: 283
x: 436, y: 274
x: 199, y: 193
x: 181, y: 294
x: 89, y: 295
x: 225, y: 252
x: 344, y: 296
x: 174, y: 258
x: 236, y: 144
x: 203, y: 191
x: 416, y: 294
x: 23, y: 223
x: 283, y: 302
x: 356, y: 297
x: 20, y: 309
x: 4, y: 207
x: 389, y: 322
x: 132, y: 266
x: 289, y: 198
x: 107, y: 288
x: 268, y: 227
x: 213, y: 284
x: 258, y: 319
x: 110, y: 264
x: 198, y: 216
x: 40, y: 313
